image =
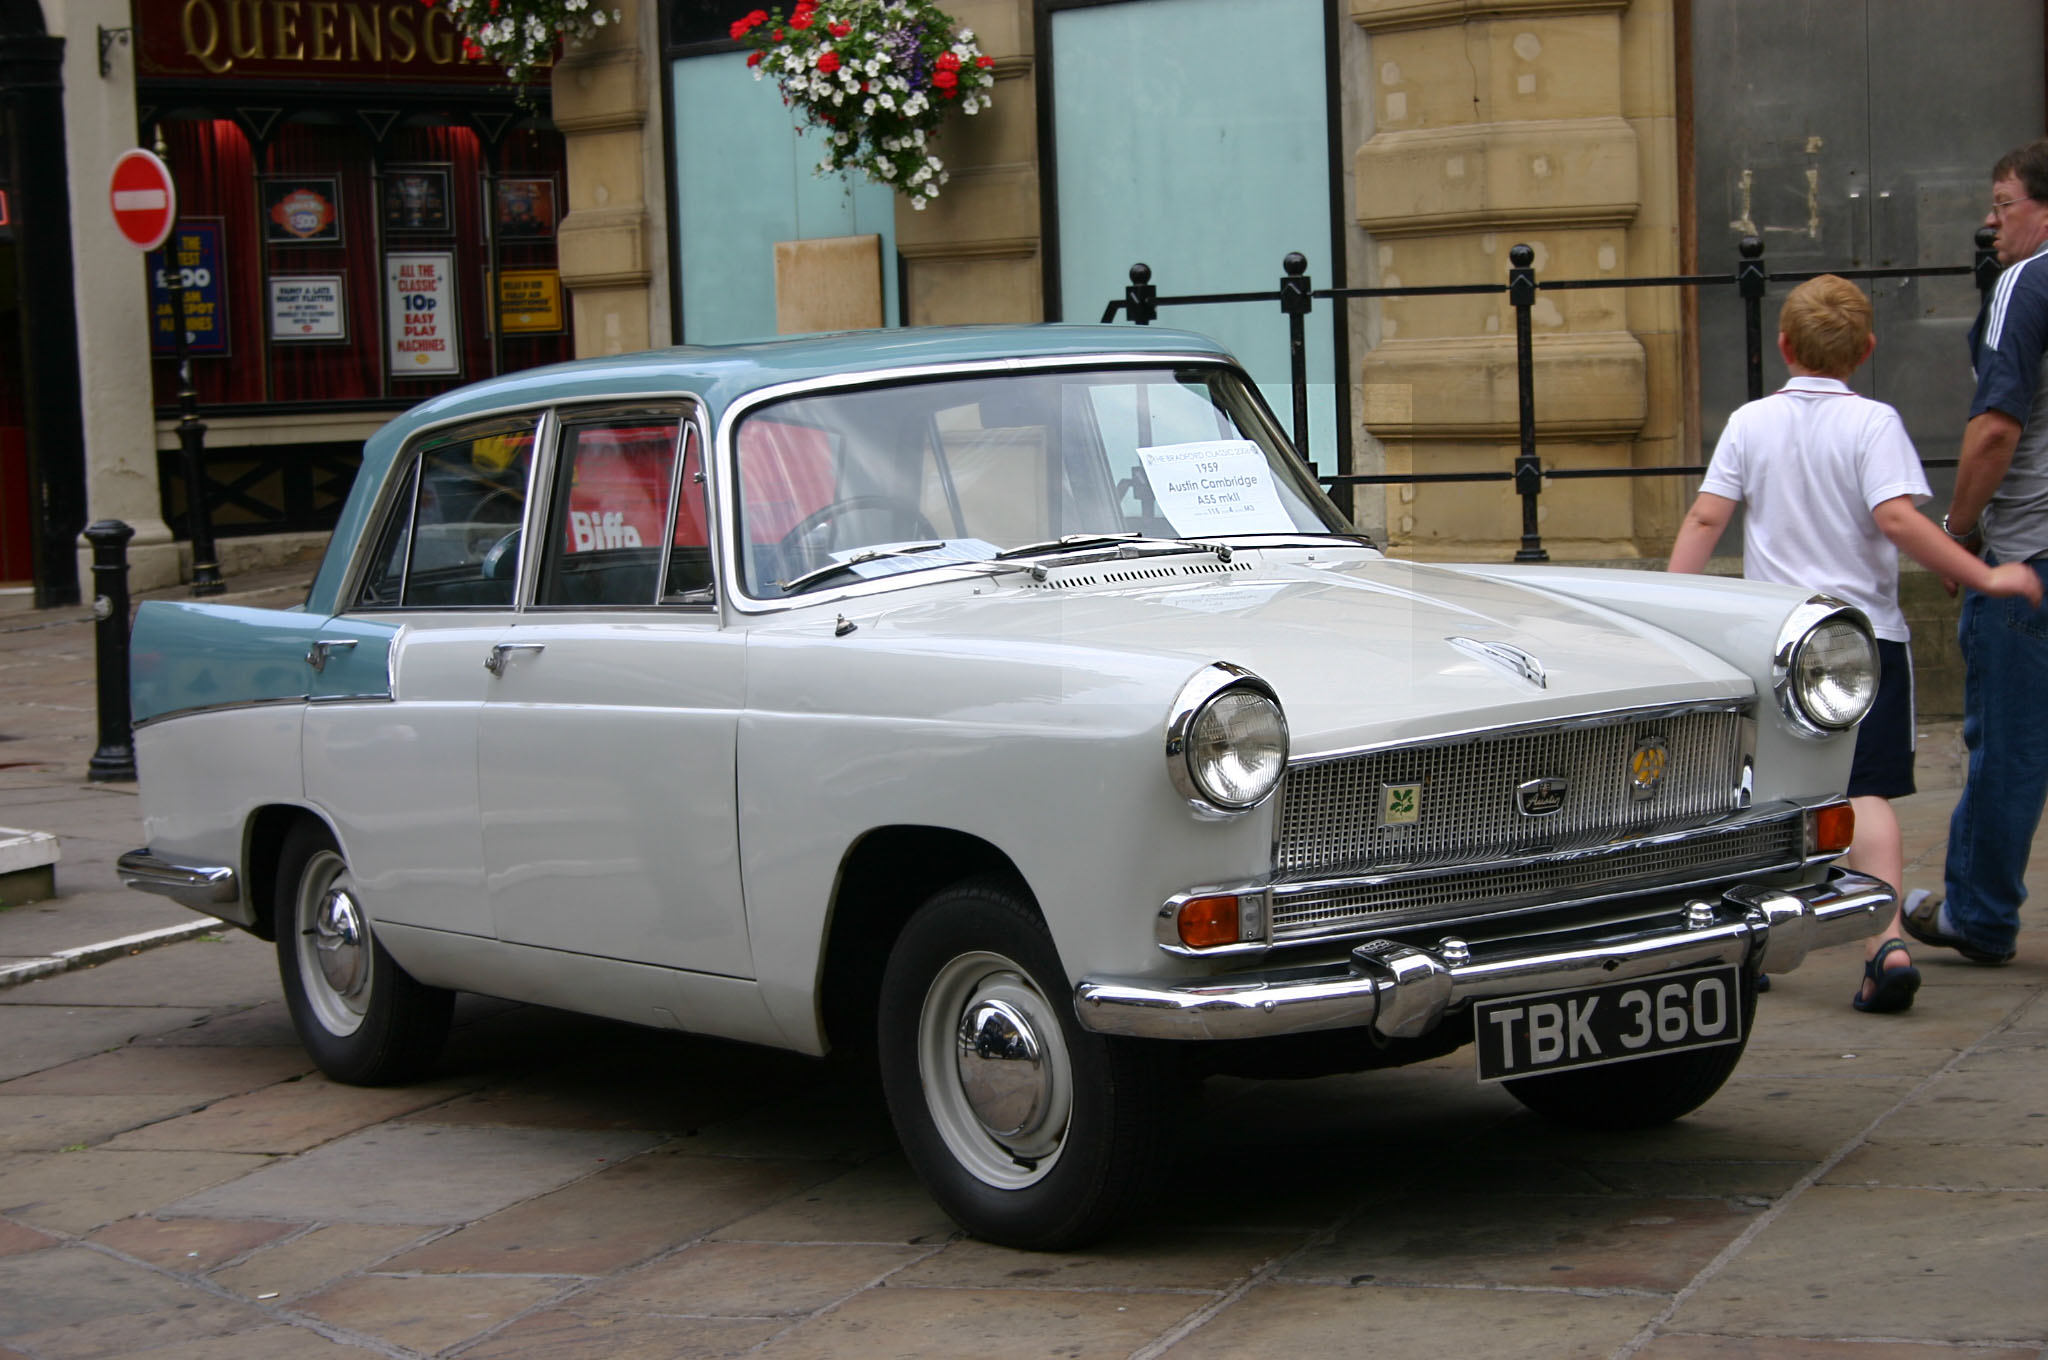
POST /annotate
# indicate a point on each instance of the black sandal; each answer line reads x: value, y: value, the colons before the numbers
x: 1891, y: 989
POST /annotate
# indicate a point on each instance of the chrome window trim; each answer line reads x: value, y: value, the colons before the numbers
x: 1272, y: 892
x: 1202, y: 687
x: 1808, y: 615
x: 726, y: 488
x: 277, y: 701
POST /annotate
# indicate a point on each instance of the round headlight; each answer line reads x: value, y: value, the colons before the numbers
x: 1831, y: 674
x: 1237, y: 748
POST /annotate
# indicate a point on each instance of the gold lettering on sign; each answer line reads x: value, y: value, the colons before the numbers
x: 364, y: 32
x: 290, y: 42
x: 404, y: 47
x: 324, y: 18
x: 245, y: 31
x: 200, y: 28
x: 437, y: 31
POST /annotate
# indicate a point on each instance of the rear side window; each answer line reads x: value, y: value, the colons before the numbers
x: 614, y: 483
x: 450, y: 537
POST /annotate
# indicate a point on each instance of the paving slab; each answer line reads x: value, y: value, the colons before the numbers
x: 202, y: 1073
x: 1280, y: 1319
x: 426, y: 1313
x: 944, y: 1324
x: 623, y: 1214
x: 291, y: 1116
x: 1934, y: 1265
x: 268, y: 1343
x: 226, y: 967
x: 1208, y: 1262
x: 749, y: 1279
x: 563, y: 1334
x: 1528, y: 1241
x: 43, y: 1123
x: 188, y: 1245
x: 76, y: 1192
x: 33, y: 1038
x: 266, y: 1024
x: 881, y: 1201
x: 74, y: 1301
x: 316, y: 1258
x: 409, y: 1173
x: 1796, y: 1348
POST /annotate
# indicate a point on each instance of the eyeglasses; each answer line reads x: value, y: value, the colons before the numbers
x: 1999, y: 205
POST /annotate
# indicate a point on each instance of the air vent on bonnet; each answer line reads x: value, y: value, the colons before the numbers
x: 1128, y: 575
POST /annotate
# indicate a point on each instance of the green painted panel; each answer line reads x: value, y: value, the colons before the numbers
x: 1193, y: 135
x: 743, y: 182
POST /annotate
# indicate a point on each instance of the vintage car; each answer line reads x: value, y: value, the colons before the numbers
x: 1008, y: 706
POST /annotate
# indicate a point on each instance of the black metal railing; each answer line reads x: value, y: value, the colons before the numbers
x: 1296, y: 296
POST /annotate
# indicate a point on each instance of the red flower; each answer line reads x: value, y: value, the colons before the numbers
x: 945, y: 80
x: 828, y: 61
x: 948, y: 61
x: 801, y: 19
x: 839, y: 30
x: 776, y: 36
x: 984, y: 62
x: 753, y: 58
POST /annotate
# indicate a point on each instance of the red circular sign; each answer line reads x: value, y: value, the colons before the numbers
x: 144, y: 200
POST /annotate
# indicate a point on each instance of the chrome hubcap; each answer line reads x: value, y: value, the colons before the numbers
x: 1002, y: 1068
x: 996, y: 1074
x: 338, y: 942
x: 334, y: 948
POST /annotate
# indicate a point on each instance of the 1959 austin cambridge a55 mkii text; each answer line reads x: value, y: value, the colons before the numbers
x: 1008, y: 705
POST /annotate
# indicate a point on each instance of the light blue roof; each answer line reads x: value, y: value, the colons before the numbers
x: 718, y: 375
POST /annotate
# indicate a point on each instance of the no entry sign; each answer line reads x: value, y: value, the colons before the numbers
x: 144, y: 200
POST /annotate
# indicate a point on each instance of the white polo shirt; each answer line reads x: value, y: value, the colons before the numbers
x: 1809, y: 463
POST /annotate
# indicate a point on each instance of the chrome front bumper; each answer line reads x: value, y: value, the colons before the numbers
x: 1404, y: 990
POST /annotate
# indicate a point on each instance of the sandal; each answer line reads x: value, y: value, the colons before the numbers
x: 1891, y: 989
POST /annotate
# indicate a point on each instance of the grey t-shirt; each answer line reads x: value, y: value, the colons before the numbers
x: 2009, y: 354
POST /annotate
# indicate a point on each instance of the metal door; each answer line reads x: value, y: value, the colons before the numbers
x: 1857, y: 134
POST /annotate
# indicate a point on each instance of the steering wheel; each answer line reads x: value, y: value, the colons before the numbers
x: 804, y: 548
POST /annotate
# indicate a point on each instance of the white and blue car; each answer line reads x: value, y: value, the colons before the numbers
x: 1011, y: 705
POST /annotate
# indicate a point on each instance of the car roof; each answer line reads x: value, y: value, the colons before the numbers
x: 718, y: 375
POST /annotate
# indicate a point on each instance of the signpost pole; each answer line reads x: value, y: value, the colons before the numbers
x: 206, y: 578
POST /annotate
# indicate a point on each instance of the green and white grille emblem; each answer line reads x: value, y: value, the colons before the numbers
x: 1400, y: 804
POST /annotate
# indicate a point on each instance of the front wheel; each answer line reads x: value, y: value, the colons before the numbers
x: 363, y: 1019
x: 1641, y: 1094
x: 1028, y: 1130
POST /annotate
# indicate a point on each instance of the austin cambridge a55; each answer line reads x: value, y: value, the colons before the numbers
x: 1010, y: 706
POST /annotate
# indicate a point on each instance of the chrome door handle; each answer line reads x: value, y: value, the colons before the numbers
x: 495, y: 662
x: 318, y: 655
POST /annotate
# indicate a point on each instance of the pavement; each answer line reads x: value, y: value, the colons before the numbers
x: 178, y: 1183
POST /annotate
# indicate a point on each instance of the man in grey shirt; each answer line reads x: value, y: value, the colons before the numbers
x: 2000, y: 507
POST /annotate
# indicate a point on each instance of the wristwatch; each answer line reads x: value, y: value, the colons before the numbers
x: 1964, y: 537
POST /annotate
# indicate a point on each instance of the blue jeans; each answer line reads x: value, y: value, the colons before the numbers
x: 2005, y: 727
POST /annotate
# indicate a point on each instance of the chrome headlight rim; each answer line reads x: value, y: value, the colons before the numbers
x: 1203, y: 689
x: 1801, y: 626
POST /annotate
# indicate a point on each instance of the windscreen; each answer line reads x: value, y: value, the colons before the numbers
x: 914, y: 474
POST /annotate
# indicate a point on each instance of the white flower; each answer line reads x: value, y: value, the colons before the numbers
x: 598, y: 18
x: 918, y: 204
x: 933, y: 161
x: 887, y: 101
x: 931, y: 191
x: 868, y: 107
x: 888, y: 170
x: 967, y: 35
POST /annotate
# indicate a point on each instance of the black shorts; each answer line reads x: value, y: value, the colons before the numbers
x: 1884, y: 740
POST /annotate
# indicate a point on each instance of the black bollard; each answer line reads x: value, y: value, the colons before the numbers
x: 115, y: 758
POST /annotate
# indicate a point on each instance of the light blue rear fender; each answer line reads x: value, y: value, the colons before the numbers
x: 185, y: 657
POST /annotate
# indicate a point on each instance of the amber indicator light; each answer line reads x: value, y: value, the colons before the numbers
x: 1834, y: 826
x: 1208, y: 921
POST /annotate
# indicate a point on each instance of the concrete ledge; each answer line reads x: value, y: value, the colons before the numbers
x: 84, y: 956
x: 28, y: 866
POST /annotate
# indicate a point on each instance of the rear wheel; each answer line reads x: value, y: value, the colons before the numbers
x: 1640, y: 1094
x: 1028, y: 1129
x: 362, y: 1018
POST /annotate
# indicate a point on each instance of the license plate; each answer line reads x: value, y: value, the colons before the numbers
x: 1522, y: 1036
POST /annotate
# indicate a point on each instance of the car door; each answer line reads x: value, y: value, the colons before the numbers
x: 610, y: 719
x: 394, y: 763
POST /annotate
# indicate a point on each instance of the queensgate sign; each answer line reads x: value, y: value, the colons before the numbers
x: 395, y: 41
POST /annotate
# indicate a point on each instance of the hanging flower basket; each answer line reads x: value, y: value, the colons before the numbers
x: 876, y: 77
x: 522, y: 35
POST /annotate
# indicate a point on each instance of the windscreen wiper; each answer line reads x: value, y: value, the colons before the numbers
x: 831, y: 569
x: 1132, y: 544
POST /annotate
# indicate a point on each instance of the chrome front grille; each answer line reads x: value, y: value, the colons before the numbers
x: 1417, y: 898
x: 1332, y: 817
